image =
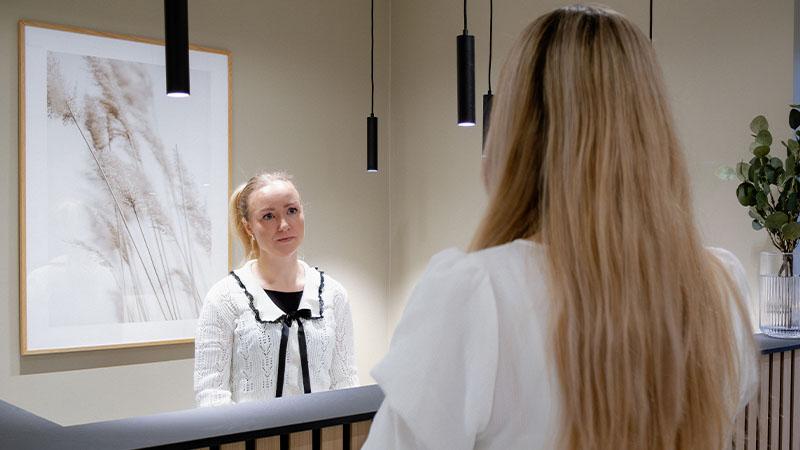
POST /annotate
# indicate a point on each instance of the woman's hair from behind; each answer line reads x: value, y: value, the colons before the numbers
x: 238, y: 207
x: 583, y: 155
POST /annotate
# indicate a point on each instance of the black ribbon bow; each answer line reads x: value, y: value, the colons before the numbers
x: 286, y: 320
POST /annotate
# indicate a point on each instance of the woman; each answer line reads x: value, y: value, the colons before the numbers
x: 275, y: 326
x: 587, y: 314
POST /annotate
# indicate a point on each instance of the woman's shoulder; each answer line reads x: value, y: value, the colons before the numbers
x: 451, y: 280
x: 332, y: 288
x: 730, y: 262
x: 221, y: 290
x: 493, y: 261
x: 331, y: 282
x: 724, y: 255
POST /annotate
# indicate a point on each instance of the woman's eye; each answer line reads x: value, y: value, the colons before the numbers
x: 268, y: 216
x: 293, y: 210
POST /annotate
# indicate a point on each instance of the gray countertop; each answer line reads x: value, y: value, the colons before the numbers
x: 192, y: 428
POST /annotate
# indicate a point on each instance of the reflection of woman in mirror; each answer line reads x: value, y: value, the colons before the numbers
x: 587, y: 314
x: 276, y: 326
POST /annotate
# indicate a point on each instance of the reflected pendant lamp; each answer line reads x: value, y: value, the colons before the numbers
x: 372, y: 121
x: 465, y: 64
x: 488, y: 97
x: 176, y: 47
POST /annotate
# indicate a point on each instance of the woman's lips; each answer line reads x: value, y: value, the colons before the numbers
x: 286, y: 239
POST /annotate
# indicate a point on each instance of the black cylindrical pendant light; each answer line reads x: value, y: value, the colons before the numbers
x: 465, y: 61
x: 487, y: 113
x: 372, y: 143
x: 372, y: 121
x: 651, y: 20
x: 176, y: 47
x: 488, y: 97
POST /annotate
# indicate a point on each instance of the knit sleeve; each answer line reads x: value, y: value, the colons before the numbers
x: 343, y: 371
x: 439, y: 374
x: 213, y: 347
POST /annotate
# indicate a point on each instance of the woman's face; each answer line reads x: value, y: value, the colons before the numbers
x: 276, y: 219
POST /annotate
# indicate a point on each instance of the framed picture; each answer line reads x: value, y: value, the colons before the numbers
x: 123, y: 190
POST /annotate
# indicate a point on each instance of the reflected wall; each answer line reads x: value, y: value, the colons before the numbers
x: 300, y: 87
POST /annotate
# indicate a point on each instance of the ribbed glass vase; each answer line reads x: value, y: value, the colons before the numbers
x: 779, y: 295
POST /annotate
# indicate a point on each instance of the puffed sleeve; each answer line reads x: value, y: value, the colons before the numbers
x: 439, y: 374
x: 742, y: 328
x: 343, y: 371
x: 213, y: 347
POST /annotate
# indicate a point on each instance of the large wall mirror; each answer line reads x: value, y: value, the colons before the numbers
x: 300, y: 91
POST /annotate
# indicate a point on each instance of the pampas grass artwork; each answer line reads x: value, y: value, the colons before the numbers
x: 146, y: 220
x: 123, y: 190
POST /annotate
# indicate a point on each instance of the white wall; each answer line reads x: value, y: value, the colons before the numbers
x: 724, y: 63
x: 300, y: 101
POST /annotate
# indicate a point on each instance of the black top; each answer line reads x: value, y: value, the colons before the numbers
x: 287, y: 301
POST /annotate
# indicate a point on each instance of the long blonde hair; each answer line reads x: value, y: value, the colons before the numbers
x: 238, y: 207
x: 582, y: 155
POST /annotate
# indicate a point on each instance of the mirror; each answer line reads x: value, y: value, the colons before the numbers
x: 300, y: 93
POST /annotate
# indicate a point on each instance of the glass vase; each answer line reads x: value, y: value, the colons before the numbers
x: 779, y: 295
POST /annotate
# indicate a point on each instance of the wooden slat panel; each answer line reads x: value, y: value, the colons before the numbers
x: 270, y: 443
x: 738, y: 431
x: 300, y: 441
x: 786, y: 399
x: 763, y: 405
x: 752, y: 422
x: 360, y: 432
x: 775, y: 401
x: 332, y: 438
x: 232, y: 446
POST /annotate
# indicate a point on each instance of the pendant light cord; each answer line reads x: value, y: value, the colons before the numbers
x: 465, y: 17
x: 490, y: 44
x: 651, y: 20
x: 372, y: 57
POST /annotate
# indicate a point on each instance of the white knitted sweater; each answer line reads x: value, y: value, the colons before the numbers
x: 236, y: 358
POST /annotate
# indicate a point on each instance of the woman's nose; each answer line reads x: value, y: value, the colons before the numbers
x: 284, y: 225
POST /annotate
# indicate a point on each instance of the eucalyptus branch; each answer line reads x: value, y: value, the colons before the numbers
x: 769, y: 186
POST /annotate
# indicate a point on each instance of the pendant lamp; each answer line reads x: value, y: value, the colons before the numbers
x: 465, y: 62
x: 176, y: 47
x: 651, y: 20
x: 372, y: 121
x: 488, y: 97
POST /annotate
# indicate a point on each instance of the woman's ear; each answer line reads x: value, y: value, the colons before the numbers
x: 246, y: 226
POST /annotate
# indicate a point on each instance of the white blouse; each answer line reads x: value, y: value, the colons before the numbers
x: 236, y: 358
x: 468, y: 366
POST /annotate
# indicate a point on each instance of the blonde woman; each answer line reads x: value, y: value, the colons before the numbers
x: 587, y: 314
x: 275, y: 326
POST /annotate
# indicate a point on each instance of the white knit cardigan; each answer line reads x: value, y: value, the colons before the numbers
x: 236, y: 358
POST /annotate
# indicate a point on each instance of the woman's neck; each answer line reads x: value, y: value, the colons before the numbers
x: 279, y: 273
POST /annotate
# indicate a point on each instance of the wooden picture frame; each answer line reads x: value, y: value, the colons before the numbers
x: 123, y: 191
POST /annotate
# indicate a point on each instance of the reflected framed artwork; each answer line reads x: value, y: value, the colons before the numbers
x: 123, y: 190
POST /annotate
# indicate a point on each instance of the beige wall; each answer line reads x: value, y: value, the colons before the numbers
x: 724, y: 62
x: 300, y: 99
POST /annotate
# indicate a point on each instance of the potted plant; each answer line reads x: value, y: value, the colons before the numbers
x: 770, y: 189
